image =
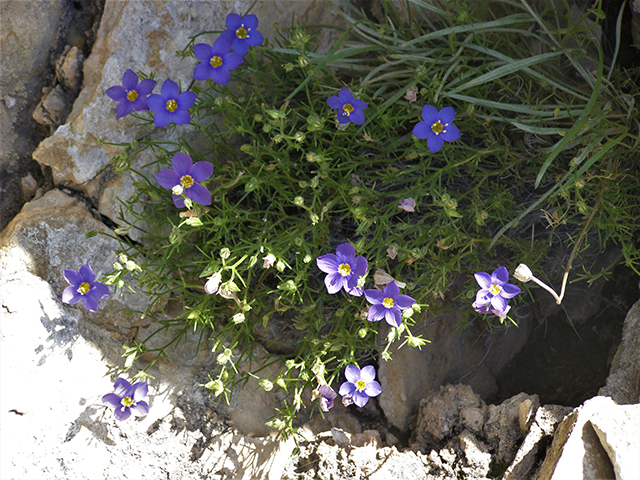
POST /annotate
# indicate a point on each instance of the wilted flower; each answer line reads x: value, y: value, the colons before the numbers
x: 349, y: 109
x: 407, y: 204
x: 171, y: 105
x: 360, y: 385
x: 213, y: 283
x: 186, y: 175
x: 132, y: 95
x: 344, y: 270
x: 127, y: 399
x: 387, y: 304
x: 494, y: 292
x: 437, y: 127
x: 217, y: 61
x: 326, y: 394
x: 268, y: 260
x: 242, y: 32
x: 84, y: 287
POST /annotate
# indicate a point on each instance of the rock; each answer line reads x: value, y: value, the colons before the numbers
x: 502, y: 428
x: 69, y: 68
x: 577, y: 447
x: 477, y: 456
x: 439, y: 415
x: 29, y: 186
x: 623, y: 382
x: 474, y: 357
x: 540, y: 432
x: 53, y: 108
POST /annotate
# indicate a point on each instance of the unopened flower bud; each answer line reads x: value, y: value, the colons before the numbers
x: 225, y: 253
x: 523, y: 273
x: 213, y: 283
x: 177, y: 190
x: 266, y: 385
x: 238, y: 318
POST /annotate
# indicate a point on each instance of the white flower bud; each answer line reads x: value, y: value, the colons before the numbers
x: 225, y: 253
x: 238, y: 318
x: 269, y: 260
x: 213, y: 283
x: 523, y: 273
x: 177, y: 190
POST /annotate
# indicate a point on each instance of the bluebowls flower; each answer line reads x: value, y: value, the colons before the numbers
x: 494, y: 292
x: 349, y: 109
x: 132, y: 95
x: 171, y: 105
x: 344, y: 270
x: 127, y: 399
x: 387, y: 304
x: 242, y: 32
x: 184, y: 177
x: 216, y: 60
x: 437, y: 127
x: 84, y: 287
x: 360, y: 385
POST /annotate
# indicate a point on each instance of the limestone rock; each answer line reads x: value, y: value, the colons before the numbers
x: 623, y: 382
x: 474, y: 357
x: 476, y: 454
x: 577, y: 447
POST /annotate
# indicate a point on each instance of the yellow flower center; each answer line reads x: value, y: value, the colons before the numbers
x: 344, y: 269
x: 437, y: 127
x: 172, y: 105
x: 494, y: 289
x: 186, y: 181
x: 360, y: 385
x: 347, y: 108
x: 132, y: 95
x: 216, y: 61
x: 127, y: 401
x: 84, y: 288
x: 242, y: 33
x: 388, y: 302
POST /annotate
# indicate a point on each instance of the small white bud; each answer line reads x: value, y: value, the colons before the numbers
x: 523, y: 273
x: 213, y: 283
x: 177, y: 190
x: 238, y: 318
x: 225, y: 253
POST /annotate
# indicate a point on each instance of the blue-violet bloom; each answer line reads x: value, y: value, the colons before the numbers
x: 132, y: 95
x: 360, y: 385
x: 216, y: 60
x: 171, y: 105
x: 344, y: 270
x: 183, y: 180
x: 127, y: 399
x: 494, y: 292
x: 242, y: 33
x: 84, y: 287
x: 437, y: 127
x: 387, y: 304
x: 349, y: 109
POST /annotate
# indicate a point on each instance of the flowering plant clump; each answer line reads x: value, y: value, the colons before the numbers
x: 82, y: 286
x: 132, y: 95
x: 127, y: 399
x: 277, y: 186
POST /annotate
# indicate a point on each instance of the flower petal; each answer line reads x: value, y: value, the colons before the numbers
x: 374, y: 296
x: 87, y: 274
x: 352, y: 373
x: 376, y: 312
x: 201, y: 170
x: 422, y: 130
x: 361, y: 267
x: 499, y: 303
x: 116, y: 93
x: 178, y: 201
x: 170, y: 89
x: 182, y: 163
x: 167, y: 178
x: 222, y: 45
x: 181, y: 117
x: 122, y: 413
x: 334, y: 282
x: 162, y: 118
x: 145, y: 87
x: 99, y: 290
x: 123, y: 109
x: 447, y: 115
x: 157, y: 103
x: 346, y: 252
x: 435, y: 142
x: 392, y: 290
x: 328, y: 263
x: 73, y: 277
x: 500, y: 276
x: 345, y: 95
x: 70, y: 295
x: 255, y: 38
x: 483, y: 279
x: 509, y: 290
x: 347, y: 389
x: 139, y: 391
x: 220, y: 75
x: 373, y: 389
x: 368, y: 373
x: 233, y: 21
x: 203, y: 71
x: 233, y: 60
x: 199, y: 194
x: 140, y: 409
x: 202, y: 51
x: 359, y: 104
x: 357, y: 117
x: 430, y: 114
x: 343, y: 118
x: 360, y: 399
x: 121, y: 387
x: 483, y: 296
x: 129, y: 80
x: 334, y: 102
x: 404, y: 301
x: 450, y: 133
x: 240, y: 46
x: 90, y: 303
x: 393, y: 316
x: 112, y: 400
x: 186, y: 99
x: 250, y: 21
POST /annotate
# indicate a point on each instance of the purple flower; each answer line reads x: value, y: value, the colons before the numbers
x: 326, y: 395
x: 171, y: 105
x: 344, y: 270
x: 184, y: 178
x: 407, y: 204
x: 131, y: 95
x: 494, y: 292
x: 387, y: 304
x: 242, y: 33
x: 83, y: 286
x: 127, y: 399
x: 437, y: 127
x: 360, y: 385
x: 349, y: 109
x: 216, y: 60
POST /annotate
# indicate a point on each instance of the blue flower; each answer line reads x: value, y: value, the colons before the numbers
x: 349, y: 109
x: 242, y: 33
x: 360, y: 385
x: 84, y: 287
x: 387, y: 304
x: 171, y: 105
x: 216, y: 60
x: 183, y: 180
x: 494, y: 292
x: 437, y: 127
x: 127, y: 399
x: 344, y: 270
x: 132, y: 95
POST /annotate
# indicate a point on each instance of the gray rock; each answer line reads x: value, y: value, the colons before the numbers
x: 474, y: 357
x: 623, y: 382
x: 576, y: 446
x: 477, y: 456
